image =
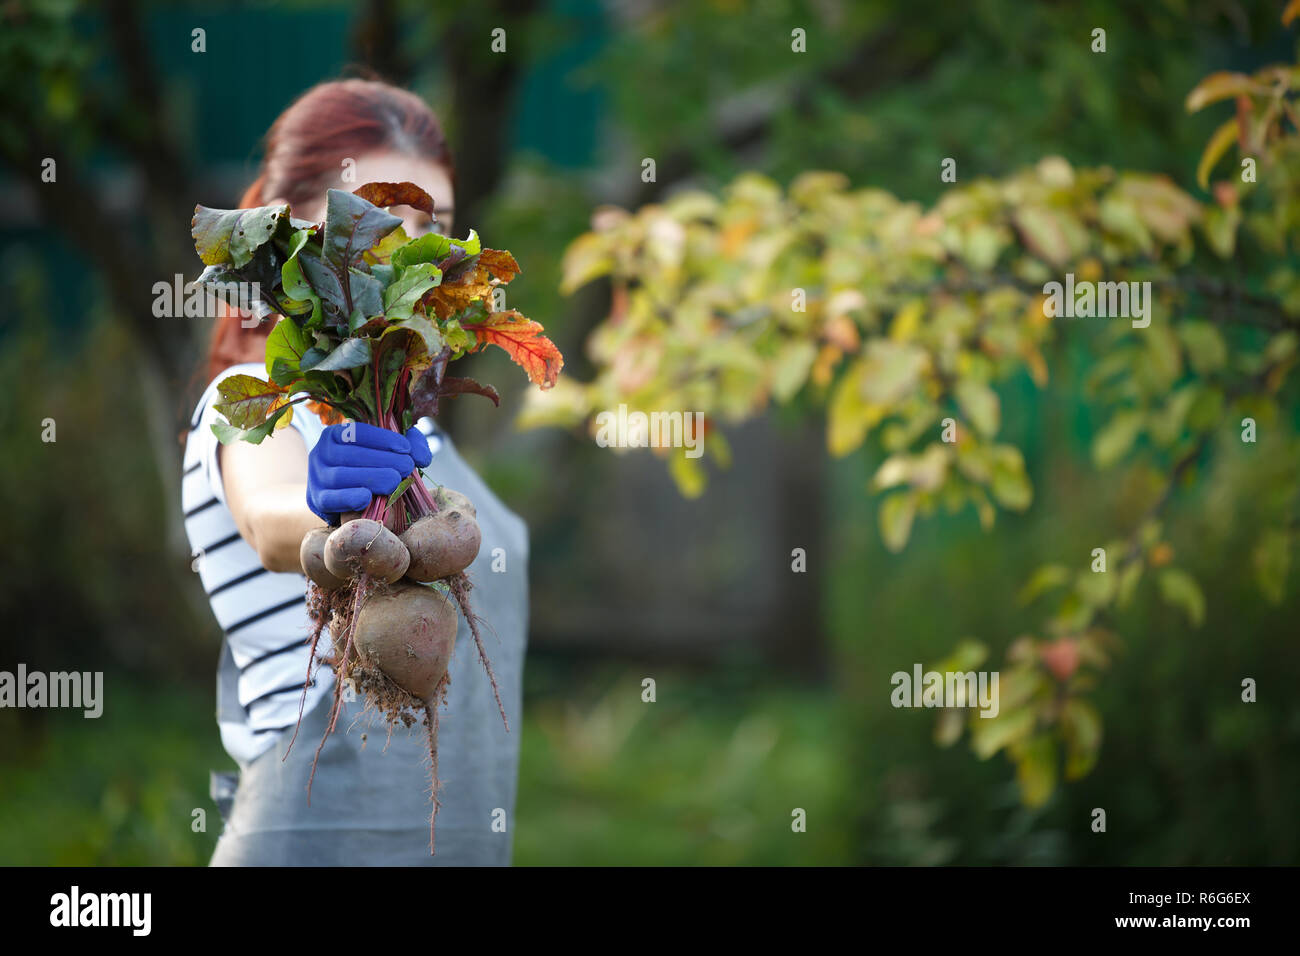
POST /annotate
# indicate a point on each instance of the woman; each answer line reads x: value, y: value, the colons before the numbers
x: 246, y: 510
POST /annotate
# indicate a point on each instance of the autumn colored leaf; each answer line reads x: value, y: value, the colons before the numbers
x: 328, y: 414
x: 246, y: 400
x: 524, y: 342
x: 459, y: 293
x: 1219, y: 143
x: 459, y: 290
x: 1222, y: 86
x: 499, y: 263
x: 384, y: 195
x: 382, y: 251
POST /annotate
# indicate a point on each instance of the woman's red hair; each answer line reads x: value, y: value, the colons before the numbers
x: 305, y: 149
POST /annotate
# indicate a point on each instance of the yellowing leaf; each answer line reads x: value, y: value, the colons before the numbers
x: 586, y: 258
x: 1036, y: 312
x: 247, y: 400
x: 1114, y: 441
x: 327, y: 414
x: 824, y: 367
x: 907, y: 321
x: 849, y: 417
x: 842, y: 333
x: 1162, y: 207
x: 1010, y: 484
x: 384, y: 195
x: 891, y: 370
x: 1081, y: 730
x: 1219, y: 144
x: 383, y: 250
x: 1044, y: 233
x: 565, y: 405
x: 523, y: 341
x: 893, y: 471
x: 1035, y: 769
x: 1035, y: 362
x: 717, y: 445
x: 1090, y: 270
x: 1220, y: 86
x: 1220, y: 227
x: 929, y: 469
x: 286, y: 342
x: 1164, y: 355
x: 948, y: 726
x: 473, y: 285
x: 979, y: 404
x: 1206, y: 350
x: 1095, y: 589
x: 791, y: 367
x: 988, y: 735
x: 499, y: 264
x: 689, y: 474
x: 844, y: 304
x: 896, y: 514
x: 966, y: 656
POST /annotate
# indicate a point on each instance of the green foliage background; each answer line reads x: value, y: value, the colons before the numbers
x: 709, y: 774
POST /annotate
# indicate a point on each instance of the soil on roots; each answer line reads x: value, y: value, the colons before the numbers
x: 323, y: 607
x: 379, y: 692
x: 382, y: 696
x: 337, y: 610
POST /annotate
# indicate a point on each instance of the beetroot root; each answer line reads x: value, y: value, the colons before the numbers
x: 448, y: 499
x: 365, y: 546
x: 441, y: 545
x: 409, y: 632
x: 312, y: 557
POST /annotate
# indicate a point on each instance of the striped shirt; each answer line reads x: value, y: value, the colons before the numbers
x: 263, y: 613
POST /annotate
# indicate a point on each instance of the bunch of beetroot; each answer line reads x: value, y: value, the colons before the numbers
x: 390, y: 602
x: 369, y: 321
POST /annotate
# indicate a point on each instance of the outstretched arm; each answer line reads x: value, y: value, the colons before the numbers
x: 277, y: 492
x: 266, y: 489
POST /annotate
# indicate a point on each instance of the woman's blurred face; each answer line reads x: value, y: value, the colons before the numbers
x: 394, y: 167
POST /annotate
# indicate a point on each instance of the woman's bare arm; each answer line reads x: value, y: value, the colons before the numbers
x: 266, y: 489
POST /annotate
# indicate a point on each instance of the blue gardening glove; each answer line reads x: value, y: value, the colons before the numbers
x: 344, y: 475
x: 420, y: 452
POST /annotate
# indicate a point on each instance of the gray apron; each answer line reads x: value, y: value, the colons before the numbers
x: 370, y: 805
